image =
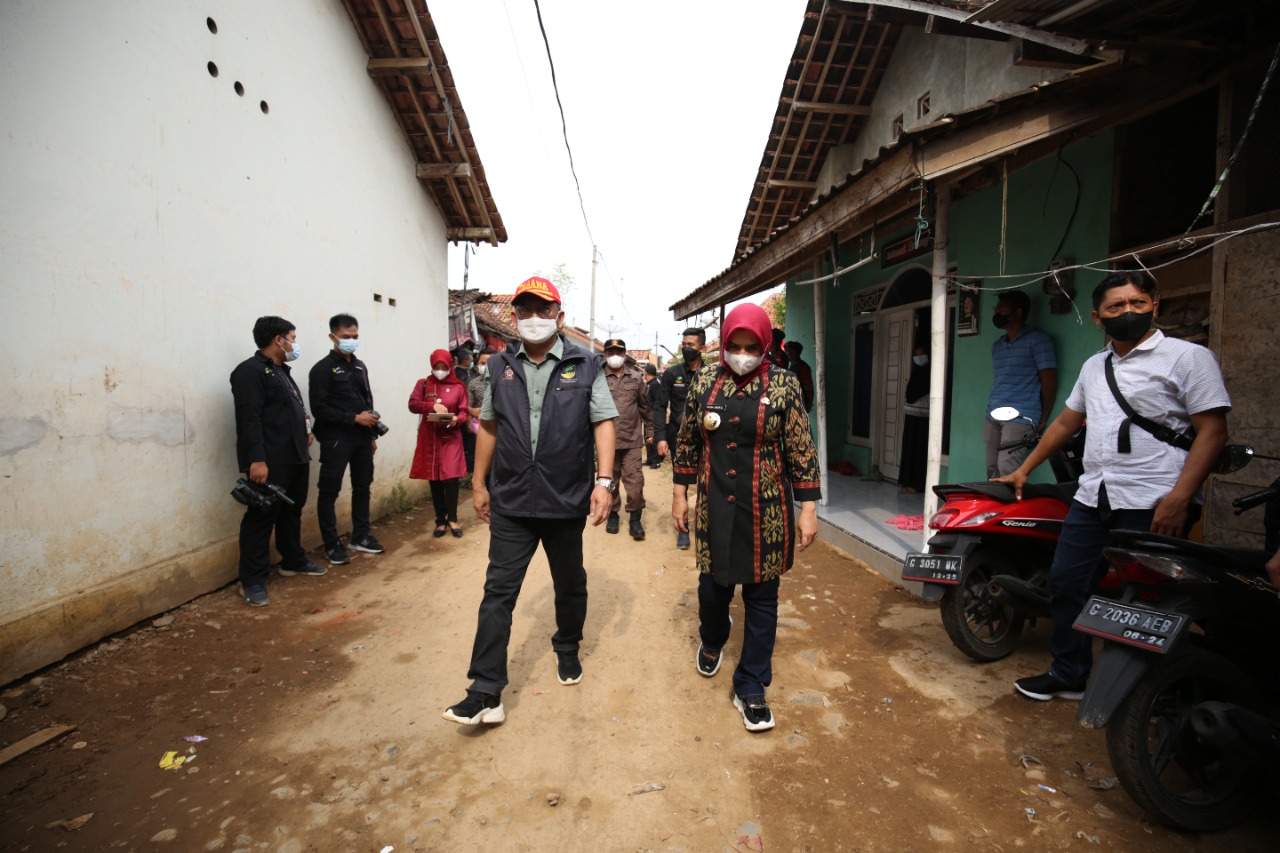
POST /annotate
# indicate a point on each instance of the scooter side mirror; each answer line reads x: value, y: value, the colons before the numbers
x: 1004, y: 414
x: 1233, y: 458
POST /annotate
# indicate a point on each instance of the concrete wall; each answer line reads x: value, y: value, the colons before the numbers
x: 958, y: 73
x: 1041, y: 198
x: 148, y: 215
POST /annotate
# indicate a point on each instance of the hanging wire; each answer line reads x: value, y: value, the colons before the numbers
x: 564, y: 129
x: 609, y: 275
x: 1222, y: 179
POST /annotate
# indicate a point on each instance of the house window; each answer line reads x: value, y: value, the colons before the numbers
x: 897, y: 128
x: 922, y: 105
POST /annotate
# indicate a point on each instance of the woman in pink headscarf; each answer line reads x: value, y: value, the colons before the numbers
x: 441, y: 399
x: 745, y: 442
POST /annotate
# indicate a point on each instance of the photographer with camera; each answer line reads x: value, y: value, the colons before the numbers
x: 348, y: 428
x: 271, y: 449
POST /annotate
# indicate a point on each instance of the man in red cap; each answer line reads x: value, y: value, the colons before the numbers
x: 536, y: 481
x: 635, y: 432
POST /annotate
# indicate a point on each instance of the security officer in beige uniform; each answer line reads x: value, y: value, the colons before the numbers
x: 635, y: 432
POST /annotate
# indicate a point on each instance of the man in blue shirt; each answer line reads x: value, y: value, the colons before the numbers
x: 1025, y: 370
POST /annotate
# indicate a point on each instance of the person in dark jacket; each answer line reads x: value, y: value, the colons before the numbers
x: 272, y: 444
x: 803, y: 372
x: 346, y: 424
x: 536, y: 481
x: 745, y: 442
x: 675, y: 388
x: 652, y: 458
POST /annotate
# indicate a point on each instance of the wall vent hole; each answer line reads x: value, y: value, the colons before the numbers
x: 392, y: 302
x: 213, y: 69
x: 212, y: 25
x: 262, y: 105
x: 377, y: 297
x: 239, y: 88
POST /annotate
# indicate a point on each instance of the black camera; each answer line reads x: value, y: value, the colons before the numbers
x: 259, y: 497
x: 378, y: 426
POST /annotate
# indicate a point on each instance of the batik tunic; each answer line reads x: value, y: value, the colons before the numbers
x: 752, y: 456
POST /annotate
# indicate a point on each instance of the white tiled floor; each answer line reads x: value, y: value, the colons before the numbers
x: 861, y: 507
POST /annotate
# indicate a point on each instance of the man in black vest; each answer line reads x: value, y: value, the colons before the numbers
x: 675, y: 390
x: 536, y: 480
x: 346, y: 423
x: 271, y: 447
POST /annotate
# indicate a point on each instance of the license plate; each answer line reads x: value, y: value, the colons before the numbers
x: 932, y: 568
x: 1127, y: 623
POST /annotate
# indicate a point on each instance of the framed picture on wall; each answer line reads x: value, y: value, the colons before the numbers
x: 968, y: 312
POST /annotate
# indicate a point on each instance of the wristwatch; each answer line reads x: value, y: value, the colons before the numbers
x: 605, y: 483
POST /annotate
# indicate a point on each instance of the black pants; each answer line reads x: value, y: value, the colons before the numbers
x: 335, y: 455
x: 651, y: 456
x: 444, y: 497
x: 469, y: 448
x: 256, y: 526
x: 512, y: 541
x: 760, y: 613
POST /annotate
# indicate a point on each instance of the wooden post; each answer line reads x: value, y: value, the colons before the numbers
x: 937, y: 347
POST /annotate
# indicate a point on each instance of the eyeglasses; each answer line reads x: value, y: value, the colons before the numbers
x: 547, y: 311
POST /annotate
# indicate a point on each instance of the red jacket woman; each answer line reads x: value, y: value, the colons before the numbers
x: 439, y: 457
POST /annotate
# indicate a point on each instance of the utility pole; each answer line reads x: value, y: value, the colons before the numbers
x: 591, y: 331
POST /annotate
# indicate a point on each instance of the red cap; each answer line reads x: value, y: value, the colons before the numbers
x: 539, y: 287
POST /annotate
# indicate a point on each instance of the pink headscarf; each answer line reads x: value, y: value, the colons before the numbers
x: 753, y: 319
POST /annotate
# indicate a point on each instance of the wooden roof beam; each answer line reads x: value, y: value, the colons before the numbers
x: 831, y: 109
x: 398, y: 66
x: 487, y: 234
x: 444, y: 170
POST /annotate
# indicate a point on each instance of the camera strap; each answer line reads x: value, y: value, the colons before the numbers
x: 1168, y: 435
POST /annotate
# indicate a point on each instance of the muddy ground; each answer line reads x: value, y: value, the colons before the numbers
x: 323, y: 727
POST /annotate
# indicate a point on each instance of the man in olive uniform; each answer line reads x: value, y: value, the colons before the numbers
x: 675, y: 386
x: 546, y: 404
x: 634, y: 428
x: 271, y: 447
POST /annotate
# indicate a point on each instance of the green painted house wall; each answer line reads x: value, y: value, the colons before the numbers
x: 1040, y: 198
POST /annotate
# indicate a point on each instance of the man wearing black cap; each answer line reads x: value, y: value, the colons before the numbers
x: 656, y: 404
x: 634, y: 431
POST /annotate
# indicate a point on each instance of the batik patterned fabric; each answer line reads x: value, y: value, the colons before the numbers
x: 751, y: 454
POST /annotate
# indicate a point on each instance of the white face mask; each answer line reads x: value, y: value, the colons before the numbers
x: 292, y: 355
x: 616, y: 361
x: 348, y: 345
x: 921, y: 360
x: 536, y: 330
x: 441, y: 375
x: 741, y: 363
x: 484, y: 369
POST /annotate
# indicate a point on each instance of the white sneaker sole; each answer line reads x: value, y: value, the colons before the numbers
x: 1069, y: 695
x: 488, y: 716
x: 697, y: 662
x: 364, y: 550
x: 750, y: 726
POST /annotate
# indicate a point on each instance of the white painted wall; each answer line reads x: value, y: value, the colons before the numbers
x: 958, y: 73
x: 148, y: 215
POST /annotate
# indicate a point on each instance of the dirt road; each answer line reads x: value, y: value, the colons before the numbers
x: 322, y: 714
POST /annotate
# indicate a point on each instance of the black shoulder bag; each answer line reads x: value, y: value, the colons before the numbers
x: 1166, y: 434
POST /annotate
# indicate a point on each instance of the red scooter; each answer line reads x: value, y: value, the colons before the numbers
x: 985, y: 533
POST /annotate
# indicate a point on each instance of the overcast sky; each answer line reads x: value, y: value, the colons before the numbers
x: 668, y: 106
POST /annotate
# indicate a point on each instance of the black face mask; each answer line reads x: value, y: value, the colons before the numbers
x: 1000, y: 320
x: 690, y: 353
x: 1129, y: 326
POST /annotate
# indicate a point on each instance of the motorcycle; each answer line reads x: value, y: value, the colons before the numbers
x: 983, y: 533
x: 1186, y: 683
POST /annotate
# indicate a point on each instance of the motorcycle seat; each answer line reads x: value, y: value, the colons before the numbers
x: 1004, y: 493
x: 1248, y: 560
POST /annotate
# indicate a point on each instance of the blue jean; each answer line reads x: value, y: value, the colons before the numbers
x: 760, y: 615
x: 1078, y: 567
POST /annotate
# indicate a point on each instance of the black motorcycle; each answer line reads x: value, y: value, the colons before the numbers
x: 1187, y: 682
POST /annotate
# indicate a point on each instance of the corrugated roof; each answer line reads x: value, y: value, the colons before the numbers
x: 408, y: 63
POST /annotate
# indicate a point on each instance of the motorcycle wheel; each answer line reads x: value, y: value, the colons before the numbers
x: 982, y: 629
x: 1162, y: 764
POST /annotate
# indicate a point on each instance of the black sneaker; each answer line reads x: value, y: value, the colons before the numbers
x: 337, y: 555
x: 255, y: 594
x: 568, y: 667
x: 611, y: 526
x: 708, y: 660
x: 367, y: 544
x: 755, y: 712
x: 477, y: 708
x: 307, y: 568
x: 682, y: 541
x: 1047, y: 686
